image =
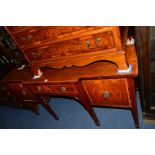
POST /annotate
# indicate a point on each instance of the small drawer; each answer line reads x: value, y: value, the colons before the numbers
x: 22, y: 91
x: 53, y: 88
x: 65, y: 88
x: 41, y: 88
x: 110, y: 92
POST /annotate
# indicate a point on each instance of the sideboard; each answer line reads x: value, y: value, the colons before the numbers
x: 92, y: 65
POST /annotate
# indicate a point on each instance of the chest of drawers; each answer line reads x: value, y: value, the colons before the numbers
x: 58, y: 47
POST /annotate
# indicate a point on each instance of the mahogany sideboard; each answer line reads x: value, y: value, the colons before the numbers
x: 96, y: 84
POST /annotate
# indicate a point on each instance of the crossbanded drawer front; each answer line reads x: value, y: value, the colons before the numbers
x: 53, y: 88
x: 110, y: 92
x: 74, y: 47
x: 35, y: 35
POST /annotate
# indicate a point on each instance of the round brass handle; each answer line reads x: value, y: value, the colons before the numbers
x: 4, y: 88
x: 97, y: 40
x: 23, y: 92
x: 106, y: 94
x: 29, y: 37
x: 63, y: 89
x: 38, y: 88
x: 8, y: 93
x: 87, y: 43
x: 23, y: 39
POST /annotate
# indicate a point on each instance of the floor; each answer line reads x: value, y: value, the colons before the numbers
x: 72, y: 116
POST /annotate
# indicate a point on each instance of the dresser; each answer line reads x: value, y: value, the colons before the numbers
x: 92, y: 65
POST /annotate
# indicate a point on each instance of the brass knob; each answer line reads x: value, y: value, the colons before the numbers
x: 23, y: 38
x: 8, y: 93
x: 33, y: 53
x: 38, y: 88
x: 63, y: 89
x: 23, y: 92
x: 4, y: 88
x: 97, y: 40
x: 106, y: 94
x: 87, y: 43
x: 29, y: 38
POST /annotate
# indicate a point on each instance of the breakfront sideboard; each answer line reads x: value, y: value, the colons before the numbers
x: 91, y: 64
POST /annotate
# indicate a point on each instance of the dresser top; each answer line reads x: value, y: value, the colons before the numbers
x: 98, y: 69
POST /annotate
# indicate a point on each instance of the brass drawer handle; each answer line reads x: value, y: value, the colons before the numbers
x: 29, y: 38
x: 87, y: 43
x: 8, y: 93
x: 63, y: 89
x: 106, y: 94
x: 39, y: 88
x: 23, y: 92
x: 97, y: 41
x: 3, y: 88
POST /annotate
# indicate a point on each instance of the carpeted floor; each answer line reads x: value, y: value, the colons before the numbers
x: 72, y: 116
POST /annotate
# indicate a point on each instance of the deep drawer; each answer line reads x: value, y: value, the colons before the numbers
x: 110, y: 92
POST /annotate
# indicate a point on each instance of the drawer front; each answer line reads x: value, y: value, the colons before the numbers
x: 73, y: 47
x: 6, y: 95
x: 66, y: 88
x: 23, y: 92
x: 110, y: 92
x: 36, y: 35
x: 18, y: 29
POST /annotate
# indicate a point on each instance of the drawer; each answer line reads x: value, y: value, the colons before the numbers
x: 66, y: 88
x: 83, y: 45
x: 107, y: 92
x: 36, y: 35
x: 21, y: 91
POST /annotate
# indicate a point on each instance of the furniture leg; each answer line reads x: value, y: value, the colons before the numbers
x: 85, y: 102
x: 133, y: 102
x: 50, y: 110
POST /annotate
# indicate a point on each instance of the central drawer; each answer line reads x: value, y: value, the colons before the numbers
x: 108, y: 92
x: 64, y: 88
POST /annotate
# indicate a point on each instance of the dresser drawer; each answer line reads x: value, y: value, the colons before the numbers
x: 73, y: 47
x: 21, y: 91
x: 107, y: 92
x: 36, y: 35
x: 64, y: 88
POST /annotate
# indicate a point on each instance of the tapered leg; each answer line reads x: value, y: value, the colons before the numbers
x: 85, y: 102
x: 50, y: 110
x: 133, y: 101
